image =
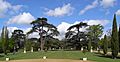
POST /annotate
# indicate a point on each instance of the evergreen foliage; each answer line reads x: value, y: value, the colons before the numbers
x: 119, y: 38
x: 114, y: 42
x: 105, y: 45
x: 4, y: 37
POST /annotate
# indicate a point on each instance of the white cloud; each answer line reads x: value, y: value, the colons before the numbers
x: 107, y: 3
x: 62, y: 28
x: 60, y: 11
x: 11, y: 29
x: 17, y: 7
x: 88, y: 7
x: 96, y: 22
x: 96, y: 3
x: 25, y: 30
x: 32, y: 35
x: 118, y: 12
x: 6, y: 6
x: 24, y: 18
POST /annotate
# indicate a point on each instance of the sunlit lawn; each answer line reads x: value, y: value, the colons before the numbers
x: 77, y: 55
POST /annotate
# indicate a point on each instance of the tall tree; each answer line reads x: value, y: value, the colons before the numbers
x: 78, y: 36
x: 105, y: 45
x: 95, y: 32
x: 18, y: 37
x: 78, y: 26
x: 70, y: 39
x: 69, y: 34
x: 119, y: 38
x: 38, y: 25
x: 114, y: 43
x: 4, y: 36
x: 44, y: 29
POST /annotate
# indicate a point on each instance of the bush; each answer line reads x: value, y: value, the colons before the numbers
x: 1, y: 50
x: 11, y: 45
x: 28, y: 45
x: 36, y: 46
x: 33, y: 44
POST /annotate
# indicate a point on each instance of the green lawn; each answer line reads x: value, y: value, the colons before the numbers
x: 60, y: 55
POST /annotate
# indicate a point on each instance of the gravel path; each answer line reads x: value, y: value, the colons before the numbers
x: 46, y: 60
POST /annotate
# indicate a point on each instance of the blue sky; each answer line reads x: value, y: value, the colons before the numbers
x: 17, y: 14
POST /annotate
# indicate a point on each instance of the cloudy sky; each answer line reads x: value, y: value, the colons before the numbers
x: 17, y: 14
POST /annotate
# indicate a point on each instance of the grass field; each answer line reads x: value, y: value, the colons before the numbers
x: 77, y: 55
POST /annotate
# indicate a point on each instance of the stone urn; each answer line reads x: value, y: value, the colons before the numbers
x: 31, y: 49
x: 7, y: 59
x: 44, y: 57
x: 24, y: 50
x: 84, y: 59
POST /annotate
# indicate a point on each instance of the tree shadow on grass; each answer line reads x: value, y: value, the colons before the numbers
x: 108, y: 56
x: 97, y: 53
x: 105, y: 56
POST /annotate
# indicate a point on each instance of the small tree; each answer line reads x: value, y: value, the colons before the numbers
x: 105, y: 45
x: 89, y: 45
x: 4, y: 36
x: 114, y: 43
x: 119, y: 38
x: 109, y: 34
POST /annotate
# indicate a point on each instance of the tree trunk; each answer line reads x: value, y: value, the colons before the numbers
x: 41, y: 39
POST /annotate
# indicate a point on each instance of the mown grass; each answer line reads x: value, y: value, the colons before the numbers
x: 77, y: 55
